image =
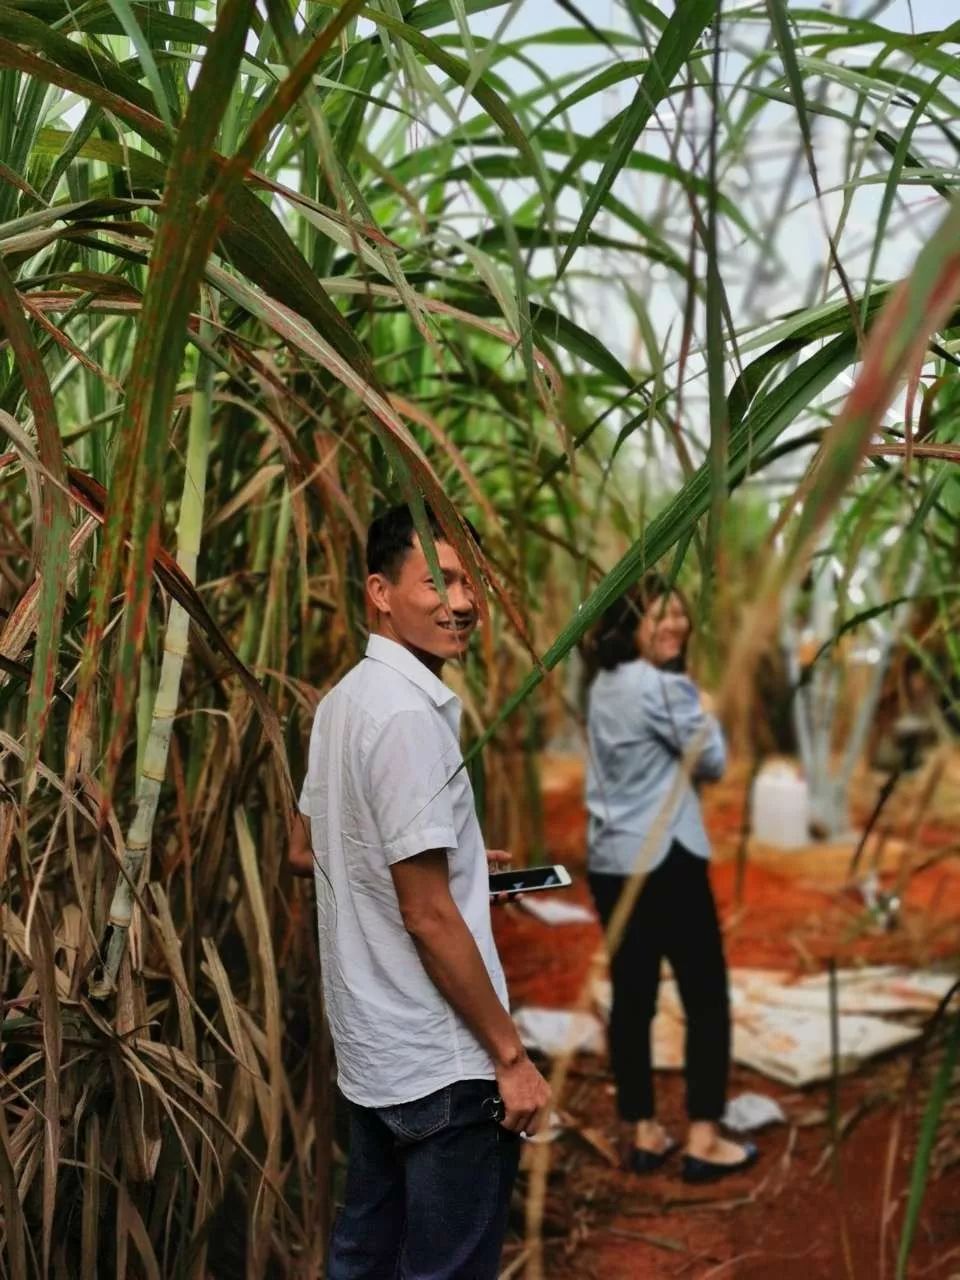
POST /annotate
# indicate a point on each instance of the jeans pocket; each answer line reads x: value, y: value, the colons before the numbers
x: 414, y: 1121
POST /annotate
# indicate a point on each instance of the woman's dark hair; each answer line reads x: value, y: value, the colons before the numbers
x: 614, y: 638
x: 390, y: 537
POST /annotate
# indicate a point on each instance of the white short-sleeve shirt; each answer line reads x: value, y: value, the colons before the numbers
x: 383, y: 784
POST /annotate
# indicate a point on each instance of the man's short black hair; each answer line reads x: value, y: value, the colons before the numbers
x: 391, y: 535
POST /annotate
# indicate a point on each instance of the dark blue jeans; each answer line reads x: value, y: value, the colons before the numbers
x: 428, y: 1189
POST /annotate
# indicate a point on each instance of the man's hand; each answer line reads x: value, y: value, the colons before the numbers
x: 525, y: 1095
x: 499, y: 860
x: 301, y: 851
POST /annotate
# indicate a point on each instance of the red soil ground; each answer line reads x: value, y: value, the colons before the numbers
x: 798, y: 1215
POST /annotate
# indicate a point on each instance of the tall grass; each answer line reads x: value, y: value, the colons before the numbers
x: 260, y: 275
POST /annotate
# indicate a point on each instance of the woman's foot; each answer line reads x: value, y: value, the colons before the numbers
x: 715, y: 1148
x: 710, y: 1156
x: 648, y: 1147
x: 652, y: 1137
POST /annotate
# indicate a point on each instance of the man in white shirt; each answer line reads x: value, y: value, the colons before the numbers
x: 438, y: 1083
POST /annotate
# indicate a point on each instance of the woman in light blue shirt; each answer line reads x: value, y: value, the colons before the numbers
x: 651, y: 743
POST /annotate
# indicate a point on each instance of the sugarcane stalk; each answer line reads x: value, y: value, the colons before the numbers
x: 277, y: 576
x: 253, y: 618
x: 868, y: 704
x: 135, y: 854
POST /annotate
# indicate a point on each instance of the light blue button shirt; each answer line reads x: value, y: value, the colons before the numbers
x: 640, y: 721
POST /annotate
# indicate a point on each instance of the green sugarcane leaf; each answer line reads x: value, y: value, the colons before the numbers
x: 103, y: 20
x: 460, y: 72
x: 144, y: 170
x: 132, y: 30
x: 899, y: 159
x: 138, y: 468
x: 679, y: 37
x: 768, y: 417
x: 178, y: 262
x: 928, y: 1129
x: 257, y: 242
x: 895, y: 346
x: 604, y: 79
x: 53, y: 530
x: 53, y: 537
x: 74, y: 58
x: 554, y: 327
x: 437, y: 13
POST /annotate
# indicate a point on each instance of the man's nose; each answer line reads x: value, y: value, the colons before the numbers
x: 461, y: 598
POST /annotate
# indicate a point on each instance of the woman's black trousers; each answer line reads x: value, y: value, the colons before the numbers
x: 675, y: 917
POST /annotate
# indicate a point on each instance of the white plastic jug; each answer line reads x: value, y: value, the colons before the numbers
x: 780, y: 807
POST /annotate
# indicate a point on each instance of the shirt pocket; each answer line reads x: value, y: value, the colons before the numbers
x: 414, y: 1121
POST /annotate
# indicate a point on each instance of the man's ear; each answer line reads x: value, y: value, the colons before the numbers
x: 378, y: 592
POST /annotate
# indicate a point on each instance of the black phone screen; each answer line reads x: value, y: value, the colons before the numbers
x: 524, y: 879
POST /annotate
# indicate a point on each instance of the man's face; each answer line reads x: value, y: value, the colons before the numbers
x: 412, y: 612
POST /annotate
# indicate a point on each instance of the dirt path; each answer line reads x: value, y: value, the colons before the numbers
x: 798, y: 1214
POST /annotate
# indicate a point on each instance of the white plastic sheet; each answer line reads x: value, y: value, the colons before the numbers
x: 748, y: 1112
x: 554, y: 1031
x: 553, y: 911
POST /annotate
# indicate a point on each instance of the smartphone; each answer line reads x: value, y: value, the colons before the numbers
x: 529, y: 879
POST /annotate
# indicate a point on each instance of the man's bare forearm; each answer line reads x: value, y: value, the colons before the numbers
x: 449, y: 954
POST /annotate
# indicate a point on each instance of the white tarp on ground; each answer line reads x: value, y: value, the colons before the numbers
x: 555, y: 1031
x: 781, y: 1028
x: 794, y: 1046
x: 881, y: 989
x: 554, y: 912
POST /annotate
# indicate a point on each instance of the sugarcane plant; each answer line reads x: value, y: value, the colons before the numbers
x: 264, y: 270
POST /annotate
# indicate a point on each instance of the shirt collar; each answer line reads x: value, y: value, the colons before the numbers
x: 394, y: 655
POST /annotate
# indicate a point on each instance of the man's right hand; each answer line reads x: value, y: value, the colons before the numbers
x: 525, y: 1095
